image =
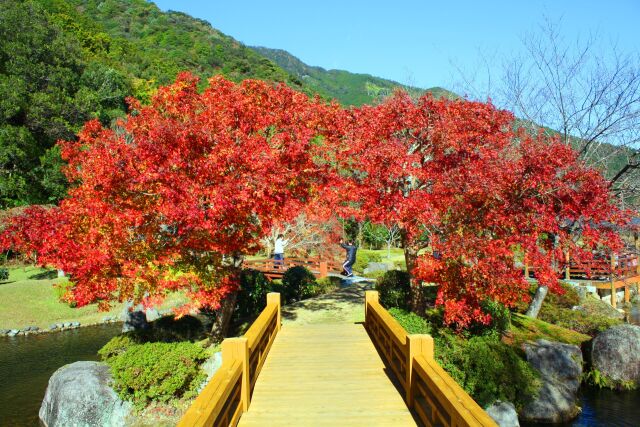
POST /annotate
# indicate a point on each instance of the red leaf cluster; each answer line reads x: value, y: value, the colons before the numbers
x: 166, y: 199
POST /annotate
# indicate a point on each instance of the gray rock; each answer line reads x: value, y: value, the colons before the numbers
x: 560, y: 368
x: 210, y: 367
x: 66, y: 324
x: 60, y: 325
x: 79, y: 395
x: 616, y: 353
x: 75, y: 324
x: 53, y: 327
x: 135, y: 320
x: 4, y: 332
x: 13, y: 332
x: 378, y: 266
x: 152, y: 314
x: 503, y: 413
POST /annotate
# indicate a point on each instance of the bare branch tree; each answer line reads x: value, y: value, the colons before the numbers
x: 303, y: 235
x: 589, y: 95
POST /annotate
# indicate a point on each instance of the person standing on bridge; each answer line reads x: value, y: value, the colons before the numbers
x: 278, y: 251
x: 350, y: 258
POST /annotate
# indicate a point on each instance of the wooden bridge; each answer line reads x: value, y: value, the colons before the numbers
x: 337, y: 374
x: 275, y: 269
x: 607, y: 273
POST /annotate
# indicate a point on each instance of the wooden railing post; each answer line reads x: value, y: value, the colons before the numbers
x: 238, y: 348
x: 419, y: 345
x: 274, y: 298
x: 369, y: 297
x: 567, y: 271
x: 324, y: 269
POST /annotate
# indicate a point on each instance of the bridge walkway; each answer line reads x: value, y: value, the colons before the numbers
x: 325, y: 375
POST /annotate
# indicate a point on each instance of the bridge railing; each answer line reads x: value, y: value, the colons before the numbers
x: 228, y: 393
x: 434, y: 396
x: 272, y: 268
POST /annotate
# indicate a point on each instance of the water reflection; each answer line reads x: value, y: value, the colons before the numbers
x: 26, y: 363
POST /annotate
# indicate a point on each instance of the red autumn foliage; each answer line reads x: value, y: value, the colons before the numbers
x: 464, y: 186
x: 168, y: 198
x: 164, y: 200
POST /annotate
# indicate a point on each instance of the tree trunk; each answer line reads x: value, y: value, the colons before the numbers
x: 536, y: 302
x: 416, y: 304
x: 222, y: 321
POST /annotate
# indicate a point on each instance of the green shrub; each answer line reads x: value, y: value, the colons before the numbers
x: 577, y: 320
x: 252, y: 297
x: 487, y: 369
x: 4, y: 274
x: 411, y: 322
x: 157, y: 372
x: 323, y: 286
x: 500, y: 319
x: 394, y: 288
x: 364, y: 257
x: 116, y: 346
x: 376, y: 274
x: 297, y: 283
x: 568, y: 299
x: 483, y: 366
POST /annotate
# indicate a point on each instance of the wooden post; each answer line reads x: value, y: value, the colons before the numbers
x: 567, y: 270
x: 324, y: 269
x: 238, y: 348
x: 627, y: 294
x: 614, y: 297
x: 526, y: 271
x: 419, y: 345
x: 274, y: 298
x: 369, y: 297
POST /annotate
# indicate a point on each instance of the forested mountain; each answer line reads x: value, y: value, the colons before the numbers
x: 348, y: 88
x: 63, y: 62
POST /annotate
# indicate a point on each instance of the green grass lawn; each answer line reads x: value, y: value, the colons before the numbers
x: 29, y: 298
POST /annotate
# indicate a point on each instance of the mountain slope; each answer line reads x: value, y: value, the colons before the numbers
x: 348, y: 88
x: 63, y: 62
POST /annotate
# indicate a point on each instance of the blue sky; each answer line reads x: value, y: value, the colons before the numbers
x: 422, y: 43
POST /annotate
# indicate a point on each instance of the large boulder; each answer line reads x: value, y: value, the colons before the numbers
x: 210, y: 367
x: 378, y: 266
x: 79, y: 395
x: 504, y: 414
x: 134, y: 318
x: 616, y: 354
x: 560, y: 368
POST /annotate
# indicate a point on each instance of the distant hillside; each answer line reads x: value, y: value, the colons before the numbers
x: 348, y: 88
x: 63, y: 62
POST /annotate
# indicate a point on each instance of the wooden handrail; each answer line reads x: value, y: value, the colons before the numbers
x: 276, y: 268
x: 228, y: 393
x: 434, y: 396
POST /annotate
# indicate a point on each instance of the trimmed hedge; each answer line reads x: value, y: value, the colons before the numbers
x: 395, y: 289
x: 154, y: 371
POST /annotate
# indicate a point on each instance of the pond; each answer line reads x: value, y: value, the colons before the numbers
x: 26, y: 363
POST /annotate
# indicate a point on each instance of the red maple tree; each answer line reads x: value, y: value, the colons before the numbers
x: 471, y: 193
x: 173, y: 195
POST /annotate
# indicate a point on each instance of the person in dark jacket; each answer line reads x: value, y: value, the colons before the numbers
x: 351, y: 257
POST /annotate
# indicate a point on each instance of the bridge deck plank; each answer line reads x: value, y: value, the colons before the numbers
x: 325, y: 374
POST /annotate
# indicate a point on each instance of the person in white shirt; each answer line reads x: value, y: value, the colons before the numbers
x: 278, y: 251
